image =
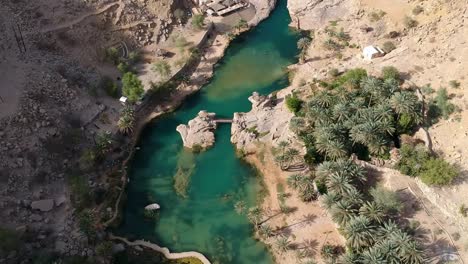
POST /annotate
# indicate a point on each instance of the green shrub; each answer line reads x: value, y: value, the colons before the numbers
x: 162, y: 68
x: 81, y: 195
x: 463, y: 210
x: 86, y: 223
x: 418, y: 10
x: 441, y: 106
x: 416, y: 161
x: 376, y: 15
x: 390, y: 72
x: 409, y: 22
x: 112, y: 55
x: 9, y: 240
x: 132, y: 88
x: 405, y: 124
x: 293, y: 103
x: 437, y: 171
x: 412, y: 159
x: 109, y: 86
x: 387, y: 199
x: 334, y: 73
x: 134, y: 57
x: 198, y: 21
x: 104, y: 249
x: 388, y: 46
x: 454, y: 84
x: 123, y: 67
x: 352, y: 77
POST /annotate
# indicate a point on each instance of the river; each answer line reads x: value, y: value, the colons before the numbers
x: 205, y: 220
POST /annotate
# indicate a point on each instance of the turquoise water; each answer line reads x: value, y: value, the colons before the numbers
x: 205, y: 220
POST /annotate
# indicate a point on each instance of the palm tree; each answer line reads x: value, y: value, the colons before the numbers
x: 355, y: 197
x: 403, y: 102
x: 294, y: 181
x: 303, y: 45
x: 408, y: 250
x: 342, y: 212
x: 406, y: 102
x: 283, y: 243
x: 390, y: 250
x: 330, y: 199
x: 373, y: 211
x: 372, y: 256
x: 372, y: 87
x: 339, y: 182
x: 387, y: 230
x: 255, y: 215
x: 126, y: 120
x: 126, y: 124
x: 411, y: 253
x: 349, y: 258
x: 359, y: 232
x: 266, y: 230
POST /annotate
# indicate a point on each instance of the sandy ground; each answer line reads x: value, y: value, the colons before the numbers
x: 308, y: 226
x: 432, y: 53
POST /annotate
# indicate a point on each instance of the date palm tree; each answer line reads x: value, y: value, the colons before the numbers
x: 404, y: 102
x: 360, y: 233
x: 372, y: 256
x: 330, y: 199
x: 127, y: 120
x: 283, y: 243
x: 339, y: 182
x: 411, y: 253
x: 255, y: 215
x: 342, y: 212
x: 373, y: 211
x: 265, y: 230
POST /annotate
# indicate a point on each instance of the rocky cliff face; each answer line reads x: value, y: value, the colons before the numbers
x: 263, y: 9
x: 310, y: 14
x: 267, y: 122
x: 199, y: 133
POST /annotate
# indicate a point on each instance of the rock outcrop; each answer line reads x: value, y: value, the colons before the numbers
x: 263, y: 9
x: 199, y: 133
x: 268, y: 121
x: 310, y: 14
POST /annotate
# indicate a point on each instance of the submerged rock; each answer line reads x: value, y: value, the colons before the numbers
x: 199, y: 133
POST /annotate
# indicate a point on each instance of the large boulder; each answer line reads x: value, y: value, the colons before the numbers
x: 43, y: 205
x: 199, y: 132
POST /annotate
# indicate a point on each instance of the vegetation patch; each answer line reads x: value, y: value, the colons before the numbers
x: 417, y: 162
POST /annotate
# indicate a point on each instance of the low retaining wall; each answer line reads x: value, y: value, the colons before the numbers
x: 165, y: 251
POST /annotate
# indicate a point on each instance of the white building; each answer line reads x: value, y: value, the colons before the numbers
x: 371, y: 52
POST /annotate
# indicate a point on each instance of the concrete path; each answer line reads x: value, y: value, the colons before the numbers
x: 163, y: 250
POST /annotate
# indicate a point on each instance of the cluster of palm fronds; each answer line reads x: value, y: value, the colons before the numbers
x: 359, y: 113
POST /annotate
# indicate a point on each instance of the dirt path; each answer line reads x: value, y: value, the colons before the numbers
x: 79, y: 19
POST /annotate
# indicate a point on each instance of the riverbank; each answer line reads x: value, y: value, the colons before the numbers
x: 200, y: 76
x: 308, y: 226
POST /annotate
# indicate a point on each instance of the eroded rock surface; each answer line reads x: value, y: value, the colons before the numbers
x: 268, y: 121
x: 199, y: 133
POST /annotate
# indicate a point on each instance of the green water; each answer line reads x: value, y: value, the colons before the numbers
x: 206, y: 221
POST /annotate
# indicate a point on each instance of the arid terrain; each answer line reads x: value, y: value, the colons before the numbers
x: 54, y: 107
x: 431, y: 53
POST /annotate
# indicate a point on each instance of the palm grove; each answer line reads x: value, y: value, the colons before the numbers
x: 361, y: 114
